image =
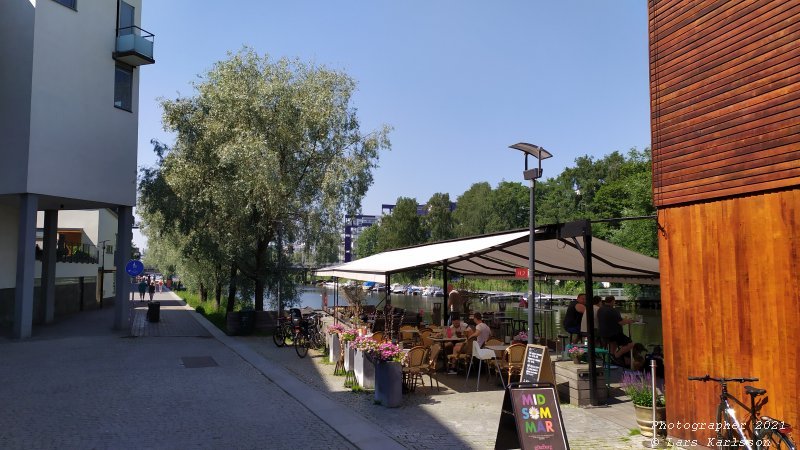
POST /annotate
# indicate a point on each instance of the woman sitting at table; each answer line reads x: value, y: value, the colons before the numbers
x: 457, y: 329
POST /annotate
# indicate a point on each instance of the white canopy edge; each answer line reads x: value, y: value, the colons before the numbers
x: 498, y: 255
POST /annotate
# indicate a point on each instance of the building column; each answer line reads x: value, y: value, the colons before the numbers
x: 50, y: 244
x: 26, y: 263
x: 123, y: 254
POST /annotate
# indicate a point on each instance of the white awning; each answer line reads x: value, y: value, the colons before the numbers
x: 499, y: 255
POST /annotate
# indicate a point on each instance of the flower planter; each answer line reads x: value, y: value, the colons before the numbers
x: 365, y: 370
x: 389, y: 383
x: 644, y: 418
x: 349, y: 356
x: 334, y: 345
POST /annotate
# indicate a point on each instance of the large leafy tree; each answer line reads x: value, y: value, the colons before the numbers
x: 510, y: 207
x: 439, y: 220
x: 403, y: 227
x: 368, y: 241
x: 473, y: 209
x: 266, y: 153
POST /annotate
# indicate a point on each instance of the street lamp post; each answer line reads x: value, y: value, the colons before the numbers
x: 532, y: 174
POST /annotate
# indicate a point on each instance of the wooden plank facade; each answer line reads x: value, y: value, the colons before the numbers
x: 725, y: 98
x: 725, y: 103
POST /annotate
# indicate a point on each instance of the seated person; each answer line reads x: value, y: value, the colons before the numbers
x: 457, y: 329
x: 610, y: 324
x: 572, y: 321
x: 482, y: 332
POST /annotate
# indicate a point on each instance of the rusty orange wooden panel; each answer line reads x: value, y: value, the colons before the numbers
x: 730, y: 272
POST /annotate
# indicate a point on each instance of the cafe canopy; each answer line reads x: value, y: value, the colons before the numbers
x: 560, y: 255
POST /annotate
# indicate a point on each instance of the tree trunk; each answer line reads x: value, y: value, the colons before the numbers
x: 203, y: 292
x: 232, y: 288
x: 218, y: 293
x: 261, y: 259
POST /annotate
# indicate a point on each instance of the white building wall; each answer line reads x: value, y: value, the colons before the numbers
x: 81, y: 146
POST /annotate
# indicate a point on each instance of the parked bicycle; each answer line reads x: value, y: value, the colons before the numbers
x: 307, y: 334
x: 283, y: 331
x: 764, y: 432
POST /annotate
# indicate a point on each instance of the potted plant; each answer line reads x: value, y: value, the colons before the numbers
x: 521, y: 337
x: 363, y: 366
x: 577, y: 354
x: 639, y: 388
x: 346, y: 337
x: 334, y: 343
x: 388, y: 359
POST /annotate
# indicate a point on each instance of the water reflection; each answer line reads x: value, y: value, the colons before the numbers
x: 550, y: 321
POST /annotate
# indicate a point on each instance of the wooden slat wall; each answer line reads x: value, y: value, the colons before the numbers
x: 730, y: 274
x: 725, y: 97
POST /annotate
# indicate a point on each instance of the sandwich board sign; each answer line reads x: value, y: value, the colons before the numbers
x: 531, y: 419
x: 536, y: 367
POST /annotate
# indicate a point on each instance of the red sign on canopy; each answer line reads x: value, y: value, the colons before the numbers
x: 521, y: 272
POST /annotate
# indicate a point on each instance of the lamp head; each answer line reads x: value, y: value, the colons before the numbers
x: 533, y: 150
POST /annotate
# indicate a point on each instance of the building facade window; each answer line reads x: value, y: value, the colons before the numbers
x: 72, y: 4
x: 123, y: 87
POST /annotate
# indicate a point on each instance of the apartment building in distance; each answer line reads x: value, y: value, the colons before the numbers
x: 69, y: 105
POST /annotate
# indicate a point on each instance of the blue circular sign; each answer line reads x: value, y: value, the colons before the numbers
x: 134, y: 267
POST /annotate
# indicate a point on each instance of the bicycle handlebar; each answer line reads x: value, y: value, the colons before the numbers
x: 708, y: 377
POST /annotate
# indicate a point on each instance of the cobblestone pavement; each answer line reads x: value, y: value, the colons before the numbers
x: 455, y: 417
x: 74, y: 387
x: 182, y: 384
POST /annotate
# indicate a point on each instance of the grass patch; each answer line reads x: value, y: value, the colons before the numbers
x: 209, y: 310
x: 634, y: 432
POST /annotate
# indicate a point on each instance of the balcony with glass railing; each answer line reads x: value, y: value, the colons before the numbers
x: 134, y: 46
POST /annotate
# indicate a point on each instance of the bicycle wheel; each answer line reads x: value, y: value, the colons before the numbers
x: 774, y: 439
x: 727, y: 434
x: 300, y: 344
x: 278, y: 337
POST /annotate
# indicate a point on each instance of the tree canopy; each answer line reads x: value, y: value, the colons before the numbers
x: 267, y: 154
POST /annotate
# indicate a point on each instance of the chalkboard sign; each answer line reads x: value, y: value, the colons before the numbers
x: 537, y: 367
x: 531, y: 418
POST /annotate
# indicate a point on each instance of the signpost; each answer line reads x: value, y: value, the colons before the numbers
x: 536, y: 367
x: 531, y: 418
x: 134, y: 267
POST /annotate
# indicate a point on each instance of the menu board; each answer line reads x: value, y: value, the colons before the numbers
x: 538, y: 419
x: 536, y: 368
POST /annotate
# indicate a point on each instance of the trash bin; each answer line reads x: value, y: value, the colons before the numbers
x: 247, y: 321
x: 153, y: 311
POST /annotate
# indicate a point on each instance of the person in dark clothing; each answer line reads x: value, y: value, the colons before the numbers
x: 142, y: 289
x: 610, y: 324
x: 152, y: 290
x: 572, y: 321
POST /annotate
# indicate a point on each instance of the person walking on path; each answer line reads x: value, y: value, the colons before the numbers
x: 142, y: 289
x: 152, y: 290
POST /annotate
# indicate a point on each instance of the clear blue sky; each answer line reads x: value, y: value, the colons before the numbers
x: 459, y: 81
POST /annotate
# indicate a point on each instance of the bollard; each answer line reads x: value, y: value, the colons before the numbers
x: 654, y: 442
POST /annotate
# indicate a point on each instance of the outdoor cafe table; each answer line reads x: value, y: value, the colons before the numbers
x: 442, y: 340
x: 498, y: 348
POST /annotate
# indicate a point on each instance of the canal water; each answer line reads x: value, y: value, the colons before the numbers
x: 550, y: 321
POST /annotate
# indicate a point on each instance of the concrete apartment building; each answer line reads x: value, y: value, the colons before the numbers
x: 68, y: 139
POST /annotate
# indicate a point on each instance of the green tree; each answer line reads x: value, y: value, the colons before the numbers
x: 439, y: 220
x: 473, y: 209
x: 267, y: 153
x: 510, y: 210
x: 401, y: 228
x: 367, y: 243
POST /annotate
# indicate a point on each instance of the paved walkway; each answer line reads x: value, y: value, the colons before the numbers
x: 78, y: 384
